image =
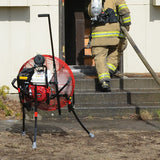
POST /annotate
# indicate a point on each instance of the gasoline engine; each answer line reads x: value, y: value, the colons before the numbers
x: 37, y: 76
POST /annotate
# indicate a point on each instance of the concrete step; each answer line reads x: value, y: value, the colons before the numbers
x: 92, y: 84
x: 123, y: 98
x: 86, y: 80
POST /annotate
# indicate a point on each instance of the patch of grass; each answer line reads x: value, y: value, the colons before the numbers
x: 18, y: 114
x: 4, y: 90
x: 158, y: 113
x: 4, y: 108
x: 145, y: 115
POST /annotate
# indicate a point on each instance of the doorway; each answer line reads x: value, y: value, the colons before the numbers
x: 72, y: 8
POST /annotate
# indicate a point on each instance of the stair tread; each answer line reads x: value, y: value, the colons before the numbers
x: 120, y: 106
x: 119, y: 92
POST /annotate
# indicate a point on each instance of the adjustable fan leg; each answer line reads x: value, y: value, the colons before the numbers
x: 23, y: 129
x: 70, y: 107
x: 35, y: 129
x: 35, y: 132
x: 35, y: 115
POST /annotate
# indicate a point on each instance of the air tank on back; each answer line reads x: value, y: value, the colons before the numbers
x: 96, y: 9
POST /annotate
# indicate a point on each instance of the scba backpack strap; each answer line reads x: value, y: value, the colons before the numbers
x: 107, y: 16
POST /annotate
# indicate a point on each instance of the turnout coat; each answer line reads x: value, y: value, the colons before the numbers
x: 109, y: 34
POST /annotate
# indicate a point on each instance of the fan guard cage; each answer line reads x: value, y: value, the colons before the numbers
x: 63, y: 75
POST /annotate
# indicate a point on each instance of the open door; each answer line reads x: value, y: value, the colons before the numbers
x: 77, y: 30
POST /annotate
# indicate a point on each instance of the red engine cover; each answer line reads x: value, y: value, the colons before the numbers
x: 41, y: 92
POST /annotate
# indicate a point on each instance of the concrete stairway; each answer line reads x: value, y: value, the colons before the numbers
x: 129, y: 96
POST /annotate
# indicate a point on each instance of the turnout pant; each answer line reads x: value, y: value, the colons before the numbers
x: 106, y: 61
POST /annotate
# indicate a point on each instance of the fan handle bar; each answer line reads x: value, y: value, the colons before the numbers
x: 54, y: 64
x: 43, y: 15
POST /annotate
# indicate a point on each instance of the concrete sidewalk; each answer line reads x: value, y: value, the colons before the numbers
x: 63, y: 125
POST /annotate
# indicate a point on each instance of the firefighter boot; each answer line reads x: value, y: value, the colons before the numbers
x: 105, y: 85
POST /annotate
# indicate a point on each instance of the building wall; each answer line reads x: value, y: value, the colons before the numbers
x: 145, y: 32
x: 23, y: 34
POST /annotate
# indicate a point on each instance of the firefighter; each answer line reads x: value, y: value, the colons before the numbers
x: 106, y: 38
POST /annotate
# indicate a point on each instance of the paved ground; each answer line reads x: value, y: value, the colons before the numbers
x: 91, y: 124
x: 64, y: 139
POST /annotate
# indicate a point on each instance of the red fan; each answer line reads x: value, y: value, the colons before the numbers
x: 65, y: 80
x: 46, y: 82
